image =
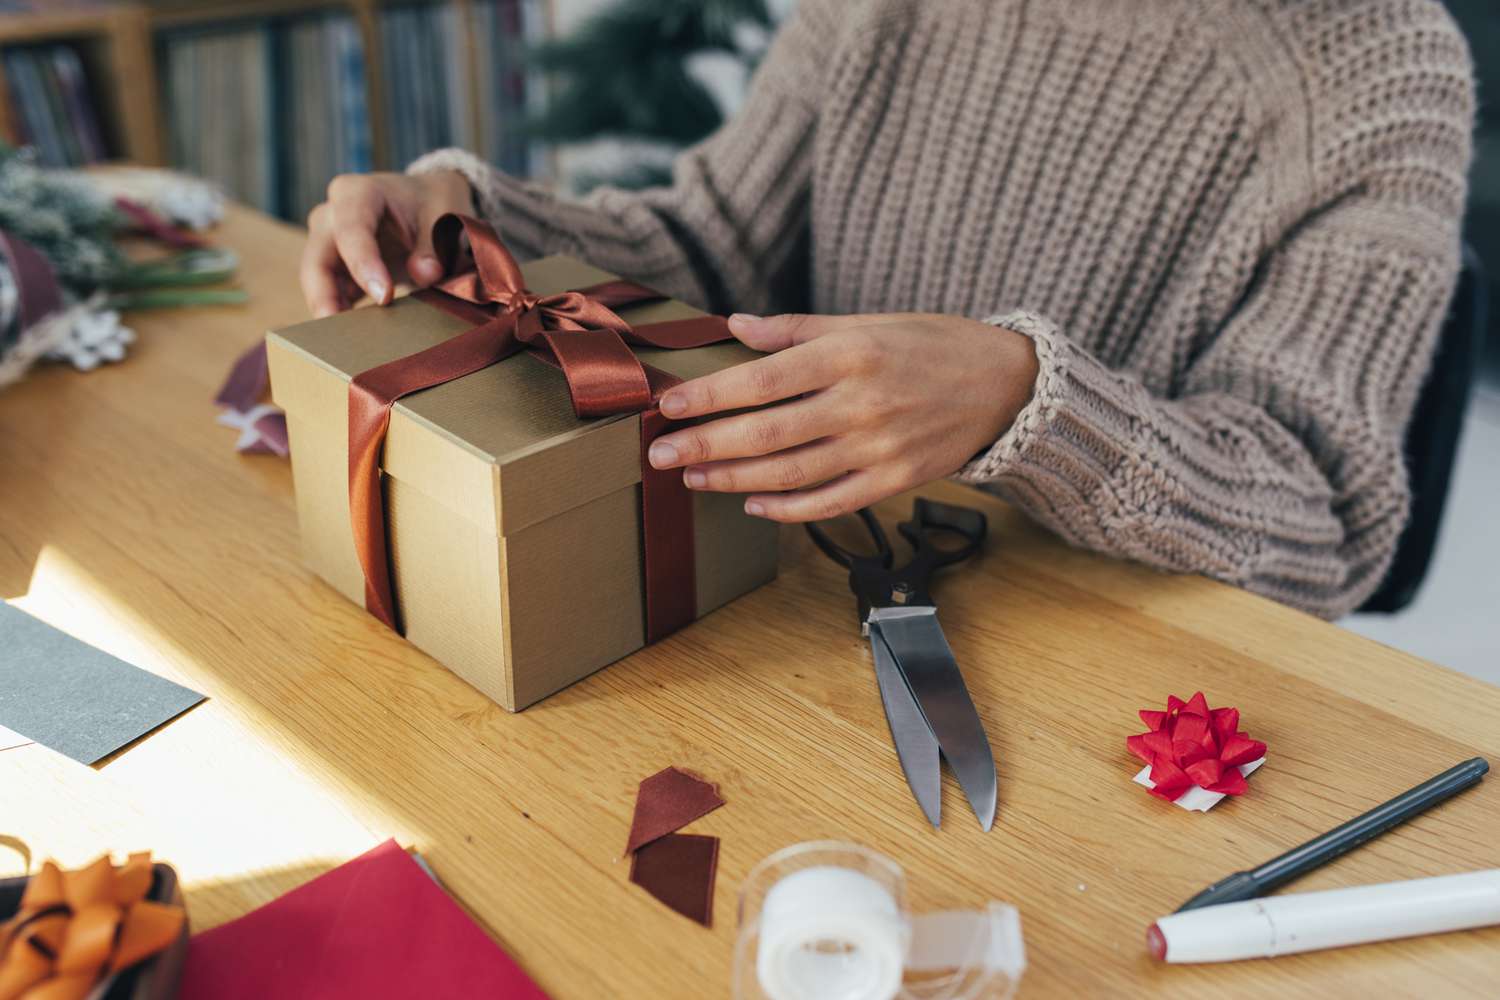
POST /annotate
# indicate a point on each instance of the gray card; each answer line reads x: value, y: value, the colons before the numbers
x: 76, y: 699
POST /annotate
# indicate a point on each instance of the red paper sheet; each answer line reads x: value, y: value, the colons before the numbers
x: 374, y: 927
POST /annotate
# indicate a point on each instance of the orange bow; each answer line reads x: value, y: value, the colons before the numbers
x: 76, y: 927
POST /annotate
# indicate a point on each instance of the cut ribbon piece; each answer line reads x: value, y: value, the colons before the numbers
x: 1194, y: 755
x: 262, y: 426
x: 262, y: 430
x: 578, y: 332
x: 668, y: 801
x: 75, y: 928
x: 678, y: 869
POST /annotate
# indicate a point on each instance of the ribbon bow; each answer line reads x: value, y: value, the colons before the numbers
x: 577, y: 331
x: 75, y: 927
x: 1190, y: 744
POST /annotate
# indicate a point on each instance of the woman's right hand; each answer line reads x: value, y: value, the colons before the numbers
x: 374, y: 227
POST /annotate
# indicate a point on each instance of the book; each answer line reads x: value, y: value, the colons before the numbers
x: 272, y: 109
x: 52, y: 104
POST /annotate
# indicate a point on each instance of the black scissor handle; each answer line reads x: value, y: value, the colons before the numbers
x: 883, y: 553
x: 931, y: 518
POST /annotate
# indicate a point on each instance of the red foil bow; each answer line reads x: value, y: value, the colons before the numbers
x: 577, y: 331
x: 1191, y: 744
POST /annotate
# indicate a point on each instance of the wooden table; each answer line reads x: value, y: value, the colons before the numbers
x: 127, y: 519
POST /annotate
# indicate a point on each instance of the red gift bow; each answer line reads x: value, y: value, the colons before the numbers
x: 1191, y: 744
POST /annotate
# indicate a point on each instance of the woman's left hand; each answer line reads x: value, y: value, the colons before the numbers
x: 865, y: 407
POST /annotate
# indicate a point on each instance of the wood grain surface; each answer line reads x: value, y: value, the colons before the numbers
x: 127, y: 519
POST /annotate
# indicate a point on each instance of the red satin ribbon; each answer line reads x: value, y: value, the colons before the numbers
x: 577, y: 331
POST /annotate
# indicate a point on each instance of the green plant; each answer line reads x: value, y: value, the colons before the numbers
x: 624, y: 73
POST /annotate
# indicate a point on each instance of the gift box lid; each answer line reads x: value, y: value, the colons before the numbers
x: 500, y: 447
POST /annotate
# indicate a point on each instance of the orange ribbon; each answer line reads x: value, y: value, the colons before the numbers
x: 578, y: 332
x: 75, y: 927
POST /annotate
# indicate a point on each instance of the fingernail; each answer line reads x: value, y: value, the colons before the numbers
x: 743, y: 318
x: 323, y: 312
x: 673, y: 404
x: 755, y: 508
x: 695, y: 478
x: 431, y: 269
x: 376, y: 288
x: 663, y: 455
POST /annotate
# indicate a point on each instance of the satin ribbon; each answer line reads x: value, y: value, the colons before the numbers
x: 1190, y: 744
x: 153, y: 225
x: 36, y: 281
x: 73, y: 928
x: 578, y: 332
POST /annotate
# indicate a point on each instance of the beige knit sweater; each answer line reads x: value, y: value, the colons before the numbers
x: 1230, y: 226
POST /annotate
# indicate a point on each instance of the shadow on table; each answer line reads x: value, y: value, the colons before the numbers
x: 211, y: 902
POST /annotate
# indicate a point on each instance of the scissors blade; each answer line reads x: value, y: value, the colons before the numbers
x: 916, y: 641
x: 916, y: 747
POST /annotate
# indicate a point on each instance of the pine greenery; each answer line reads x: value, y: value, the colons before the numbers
x: 62, y: 216
x: 623, y: 73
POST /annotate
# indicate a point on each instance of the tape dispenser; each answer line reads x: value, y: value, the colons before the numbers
x: 828, y: 921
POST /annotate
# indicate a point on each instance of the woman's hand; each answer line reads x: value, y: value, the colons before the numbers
x: 374, y: 226
x: 866, y: 406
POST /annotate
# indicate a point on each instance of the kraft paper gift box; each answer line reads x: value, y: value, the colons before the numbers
x: 514, y: 527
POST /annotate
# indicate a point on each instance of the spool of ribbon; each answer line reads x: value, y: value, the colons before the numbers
x: 579, y: 333
x: 823, y: 920
x: 74, y: 928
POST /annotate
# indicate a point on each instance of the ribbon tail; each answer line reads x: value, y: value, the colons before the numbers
x: 602, y: 374
x: 247, y: 380
x: 681, y: 334
x: 667, y: 543
x: 371, y: 396
x: 369, y: 418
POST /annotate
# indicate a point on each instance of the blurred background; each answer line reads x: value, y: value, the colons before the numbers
x: 271, y: 98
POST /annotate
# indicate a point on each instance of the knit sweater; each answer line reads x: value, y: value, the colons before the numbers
x: 1231, y: 228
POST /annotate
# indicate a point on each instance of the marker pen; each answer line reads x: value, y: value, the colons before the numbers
x: 1308, y: 921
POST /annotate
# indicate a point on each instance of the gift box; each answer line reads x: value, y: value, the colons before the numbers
x: 514, y: 527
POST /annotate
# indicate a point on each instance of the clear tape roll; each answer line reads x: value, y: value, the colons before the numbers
x: 827, y: 921
x: 829, y: 933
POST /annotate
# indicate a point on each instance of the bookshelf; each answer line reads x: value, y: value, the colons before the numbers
x: 121, y: 46
x: 114, y: 41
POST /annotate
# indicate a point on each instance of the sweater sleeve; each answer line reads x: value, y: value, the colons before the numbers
x: 1275, y: 460
x: 731, y: 233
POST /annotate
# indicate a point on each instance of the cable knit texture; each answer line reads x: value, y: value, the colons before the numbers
x: 1230, y: 227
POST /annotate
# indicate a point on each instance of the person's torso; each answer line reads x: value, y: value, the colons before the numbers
x: 1088, y: 160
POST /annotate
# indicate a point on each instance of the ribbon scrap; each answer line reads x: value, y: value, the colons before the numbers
x: 262, y: 426
x: 1191, y: 746
x: 677, y: 868
x: 577, y: 332
x: 74, y: 928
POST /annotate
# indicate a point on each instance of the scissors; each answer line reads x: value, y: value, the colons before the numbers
x: 926, y: 703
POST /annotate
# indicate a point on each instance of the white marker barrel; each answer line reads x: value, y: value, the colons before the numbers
x: 1308, y: 921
